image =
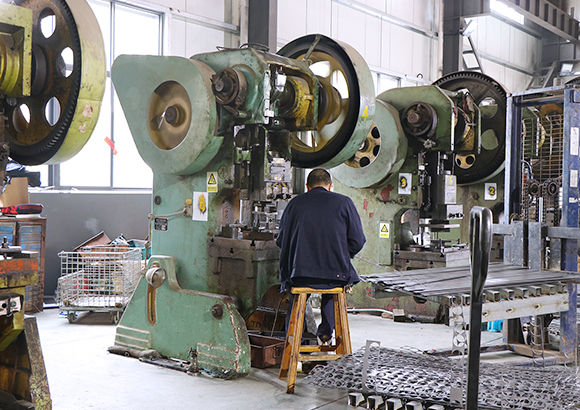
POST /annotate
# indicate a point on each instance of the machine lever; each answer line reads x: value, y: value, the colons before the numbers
x: 480, y: 232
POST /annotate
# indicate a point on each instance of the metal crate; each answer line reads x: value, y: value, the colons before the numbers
x: 98, y: 279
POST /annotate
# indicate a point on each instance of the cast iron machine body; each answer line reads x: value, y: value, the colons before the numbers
x: 434, y: 153
x: 221, y: 131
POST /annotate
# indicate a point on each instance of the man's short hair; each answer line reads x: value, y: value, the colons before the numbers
x: 318, y: 177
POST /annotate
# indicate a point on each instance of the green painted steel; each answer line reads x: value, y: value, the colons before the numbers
x: 391, y: 155
x: 401, y: 98
x: 184, y: 321
x: 136, y: 78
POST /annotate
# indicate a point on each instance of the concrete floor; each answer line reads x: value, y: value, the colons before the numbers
x: 83, y: 375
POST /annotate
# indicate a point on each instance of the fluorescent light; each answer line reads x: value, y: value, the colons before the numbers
x: 506, y: 11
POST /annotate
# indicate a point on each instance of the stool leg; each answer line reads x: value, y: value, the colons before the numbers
x: 289, y: 338
x: 345, y: 346
x: 296, y: 342
x: 337, y: 324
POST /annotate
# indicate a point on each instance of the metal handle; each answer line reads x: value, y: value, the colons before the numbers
x: 480, y: 232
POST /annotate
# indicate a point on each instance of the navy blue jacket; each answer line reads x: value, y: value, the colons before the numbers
x: 320, y: 231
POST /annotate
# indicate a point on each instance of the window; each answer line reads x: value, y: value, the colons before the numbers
x: 384, y: 82
x: 126, y: 29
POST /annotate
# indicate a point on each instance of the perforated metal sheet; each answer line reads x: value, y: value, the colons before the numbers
x: 412, y: 376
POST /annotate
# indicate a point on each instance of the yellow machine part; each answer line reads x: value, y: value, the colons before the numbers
x: 53, y: 120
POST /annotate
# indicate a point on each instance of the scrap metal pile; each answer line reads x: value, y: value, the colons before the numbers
x: 413, y: 376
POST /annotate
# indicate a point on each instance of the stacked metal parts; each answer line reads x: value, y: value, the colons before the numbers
x: 404, y: 377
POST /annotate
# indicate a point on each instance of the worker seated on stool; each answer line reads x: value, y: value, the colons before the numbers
x: 320, y: 231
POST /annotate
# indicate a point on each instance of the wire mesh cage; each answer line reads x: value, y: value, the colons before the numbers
x: 542, y: 158
x: 98, y: 278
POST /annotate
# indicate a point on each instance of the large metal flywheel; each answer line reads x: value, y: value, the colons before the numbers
x: 68, y: 81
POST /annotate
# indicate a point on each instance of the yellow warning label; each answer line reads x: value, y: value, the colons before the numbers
x: 212, y: 182
x: 384, y: 230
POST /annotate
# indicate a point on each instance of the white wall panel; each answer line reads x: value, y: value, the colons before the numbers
x: 372, y: 50
x: 519, y: 51
x: 209, y: 8
x: 380, y: 5
x: 385, y: 44
x: 506, y: 42
x: 424, y: 14
x: 201, y: 39
x: 291, y: 19
x: 351, y: 28
x: 493, y: 39
x: 422, y: 56
x: 174, y: 4
x: 318, y: 16
x: 403, y: 9
x: 178, y: 38
x: 401, y: 59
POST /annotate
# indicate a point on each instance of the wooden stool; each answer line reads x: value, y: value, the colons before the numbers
x: 293, y: 347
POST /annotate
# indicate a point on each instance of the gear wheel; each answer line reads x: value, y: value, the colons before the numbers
x: 491, y: 97
x: 72, y: 96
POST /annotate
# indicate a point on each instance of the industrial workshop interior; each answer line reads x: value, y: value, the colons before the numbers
x: 289, y: 204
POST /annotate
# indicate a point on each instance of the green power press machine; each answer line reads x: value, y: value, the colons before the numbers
x: 223, y: 133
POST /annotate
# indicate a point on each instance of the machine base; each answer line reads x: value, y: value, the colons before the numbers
x: 182, y: 323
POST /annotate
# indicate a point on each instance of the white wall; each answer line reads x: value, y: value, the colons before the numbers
x: 188, y: 35
x: 501, y: 41
x: 382, y: 43
x: 402, y: 50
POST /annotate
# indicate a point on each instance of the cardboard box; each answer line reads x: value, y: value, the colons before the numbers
x: 15, y: 193
x: 266, y: 351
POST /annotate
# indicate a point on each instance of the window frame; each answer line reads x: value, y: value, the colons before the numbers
x: 54, y: 170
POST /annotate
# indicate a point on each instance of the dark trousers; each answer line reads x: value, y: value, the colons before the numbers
x: 326, y: 327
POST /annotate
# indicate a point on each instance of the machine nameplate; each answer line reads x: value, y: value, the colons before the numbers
x: 160, y: 224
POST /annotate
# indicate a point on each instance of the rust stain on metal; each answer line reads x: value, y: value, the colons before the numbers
x: 386, y: 192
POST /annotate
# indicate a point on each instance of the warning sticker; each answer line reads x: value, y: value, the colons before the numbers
x: 212, y: 182
x: 384, y: 230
